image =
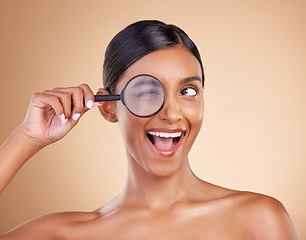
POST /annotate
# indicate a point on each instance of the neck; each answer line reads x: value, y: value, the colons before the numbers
x: 158, y: 192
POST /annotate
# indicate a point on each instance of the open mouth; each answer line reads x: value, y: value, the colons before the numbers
x: 165, y: 142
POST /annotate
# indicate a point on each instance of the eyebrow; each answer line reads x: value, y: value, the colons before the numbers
x: 191, y: 79
x: 146, y: 82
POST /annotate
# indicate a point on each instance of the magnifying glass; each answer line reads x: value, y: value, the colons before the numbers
x: 143, y: 95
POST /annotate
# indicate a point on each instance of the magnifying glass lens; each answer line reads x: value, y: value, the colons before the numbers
x: 144, y: 95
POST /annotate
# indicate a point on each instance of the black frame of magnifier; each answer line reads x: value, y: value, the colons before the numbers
x: 116, y: 97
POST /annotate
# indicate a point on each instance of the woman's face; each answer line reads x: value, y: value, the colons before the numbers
x: 160, y: 144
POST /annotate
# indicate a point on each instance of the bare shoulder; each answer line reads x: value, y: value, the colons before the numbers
x: 53, y: 226
x: 250, y: 215
x: 264, y: 216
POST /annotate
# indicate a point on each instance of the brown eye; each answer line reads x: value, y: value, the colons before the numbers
x: 189, y: 91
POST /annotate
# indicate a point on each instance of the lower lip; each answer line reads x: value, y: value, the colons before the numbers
x: 165, y: 153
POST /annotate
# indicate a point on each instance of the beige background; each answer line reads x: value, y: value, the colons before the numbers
x: 254, y: 133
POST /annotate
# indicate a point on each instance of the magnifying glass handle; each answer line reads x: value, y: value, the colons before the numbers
x: 102, y: 98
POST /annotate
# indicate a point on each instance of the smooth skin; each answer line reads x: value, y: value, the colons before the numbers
x: 162, y: 198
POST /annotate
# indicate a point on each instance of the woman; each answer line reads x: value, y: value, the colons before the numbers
x: 162, y: 198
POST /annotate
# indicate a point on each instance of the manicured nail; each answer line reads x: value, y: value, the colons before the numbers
x: 97, y: 104
x: 76, y: 116
x: 89, y: 104
x: 63, y: 119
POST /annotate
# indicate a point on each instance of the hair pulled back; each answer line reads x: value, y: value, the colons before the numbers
x: 136, y: 41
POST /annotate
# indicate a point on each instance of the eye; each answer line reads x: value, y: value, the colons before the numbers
x: 189, y: 91
x: 148, y: 94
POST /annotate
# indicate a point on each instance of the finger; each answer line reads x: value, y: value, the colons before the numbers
x: 78, y: 102
x: 77, y: 98
x: 88, y: 95
x: 42, y: 100
x: 65, y: 99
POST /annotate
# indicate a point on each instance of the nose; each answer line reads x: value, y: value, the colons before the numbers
x: 171, y: 111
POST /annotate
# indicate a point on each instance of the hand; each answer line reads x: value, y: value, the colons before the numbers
x: 53, y: 113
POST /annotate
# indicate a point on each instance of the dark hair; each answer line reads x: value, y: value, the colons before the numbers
x: 138, y: 40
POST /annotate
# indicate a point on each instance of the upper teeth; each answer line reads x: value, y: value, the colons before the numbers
x: 165, y: 134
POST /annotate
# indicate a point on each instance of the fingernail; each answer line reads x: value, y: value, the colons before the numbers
x: 89, y: 104
x: 76, y: 116
x: 97, y: 104
x: 63, y: 119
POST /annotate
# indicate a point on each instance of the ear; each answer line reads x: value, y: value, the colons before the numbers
x: 107, y: 108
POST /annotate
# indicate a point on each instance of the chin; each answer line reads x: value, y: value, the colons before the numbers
x: 165, y: 169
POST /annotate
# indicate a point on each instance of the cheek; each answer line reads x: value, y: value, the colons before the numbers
x: 126, y: 123
x: 194, y: 113
x: 132, y: 129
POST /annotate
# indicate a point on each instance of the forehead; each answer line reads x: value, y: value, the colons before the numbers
x: 168, y: 65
